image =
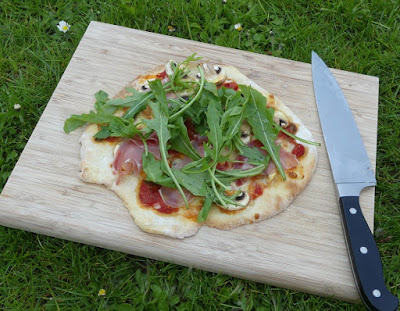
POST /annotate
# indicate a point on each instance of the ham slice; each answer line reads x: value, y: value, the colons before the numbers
x: 179, y: 162
x: 288, y: 161
x: 128, y: 157
x: 196, y: 140
x: 242, y: 166
x: 198, y: 147
x: 173, y: 198
x: 257, y: 144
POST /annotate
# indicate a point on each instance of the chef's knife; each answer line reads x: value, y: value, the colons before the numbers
x: 352, y: 172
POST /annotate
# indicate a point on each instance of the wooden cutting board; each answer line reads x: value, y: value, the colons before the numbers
x: 302, y: 248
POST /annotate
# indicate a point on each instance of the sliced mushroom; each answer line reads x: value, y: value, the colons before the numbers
x: 206, y: 69
x: 242, y: 199
x: 281, y: 119
x: 245, y: 137
x: 217, y: 69
x: 145, y: 87
x: 218, y: 79
x: 168, y: 68
x: 245, y: 128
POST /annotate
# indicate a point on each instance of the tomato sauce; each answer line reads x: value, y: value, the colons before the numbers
x: 110, y: 139
x: 231, y: 85
x: 256, y: 191
x: 162, y: 75
x: 298, y: 150
x: 224, y: 166
x: 241, y: 181
x: 149, y: 196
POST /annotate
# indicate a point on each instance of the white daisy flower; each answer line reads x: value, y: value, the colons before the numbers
x: 171, y: 28
x: 17, y: 106
x: 238, y: 27
x: 63, y: 26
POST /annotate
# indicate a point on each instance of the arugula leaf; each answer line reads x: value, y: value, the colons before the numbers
x: 109, y: 106
x: 123, y: 129
x: 260, y: 119
x: 192, y: 182
x: 160, y: 96
x: 112, y: 125
x: 118, y: 128
x: 103, y: 133
x: 138, y: 105
x: 226, y: 92
x: 254, y: 154
x: 234, y: 100
x: 212, y: 88
x: 215, y: 131
x: 75, y: 121
x: 153, y: 171
x: 128, y: 101
x: 182, y: 142
x: 197, y: 166
x: 236, y: 174
x: 72, y: 123
x: 101, y: 99
x: 232, y: 112
x: 235, y: 120
x: 191, y: 58
x: 202, y: 216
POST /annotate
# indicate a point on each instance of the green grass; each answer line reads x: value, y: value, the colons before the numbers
x: 39, y: 272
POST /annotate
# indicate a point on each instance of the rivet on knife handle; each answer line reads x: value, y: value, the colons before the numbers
x: 364, y: 257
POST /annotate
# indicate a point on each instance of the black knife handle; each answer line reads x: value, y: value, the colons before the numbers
x: 365, y: 258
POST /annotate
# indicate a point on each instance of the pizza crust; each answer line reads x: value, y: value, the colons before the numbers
x: 96, y: 158
x: 96, y: 167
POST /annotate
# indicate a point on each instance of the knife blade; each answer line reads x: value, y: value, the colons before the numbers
x: 352, y: 172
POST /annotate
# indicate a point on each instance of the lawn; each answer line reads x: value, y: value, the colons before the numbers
x: 39, y: 272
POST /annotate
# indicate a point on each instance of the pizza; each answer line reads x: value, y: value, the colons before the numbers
x: 194, y: 144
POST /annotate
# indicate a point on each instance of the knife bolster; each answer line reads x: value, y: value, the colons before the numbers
x: 351, y: 189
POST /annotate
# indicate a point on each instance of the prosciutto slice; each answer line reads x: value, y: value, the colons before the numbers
x: 128, y: 157
x: 288, y: 161
x: 179, y: 162
x: 242, y: 166
x: 173, y: 197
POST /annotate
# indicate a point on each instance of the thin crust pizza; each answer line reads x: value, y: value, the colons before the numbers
x: 192, y: 143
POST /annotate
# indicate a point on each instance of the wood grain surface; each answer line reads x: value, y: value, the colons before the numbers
x: 302, y: 248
